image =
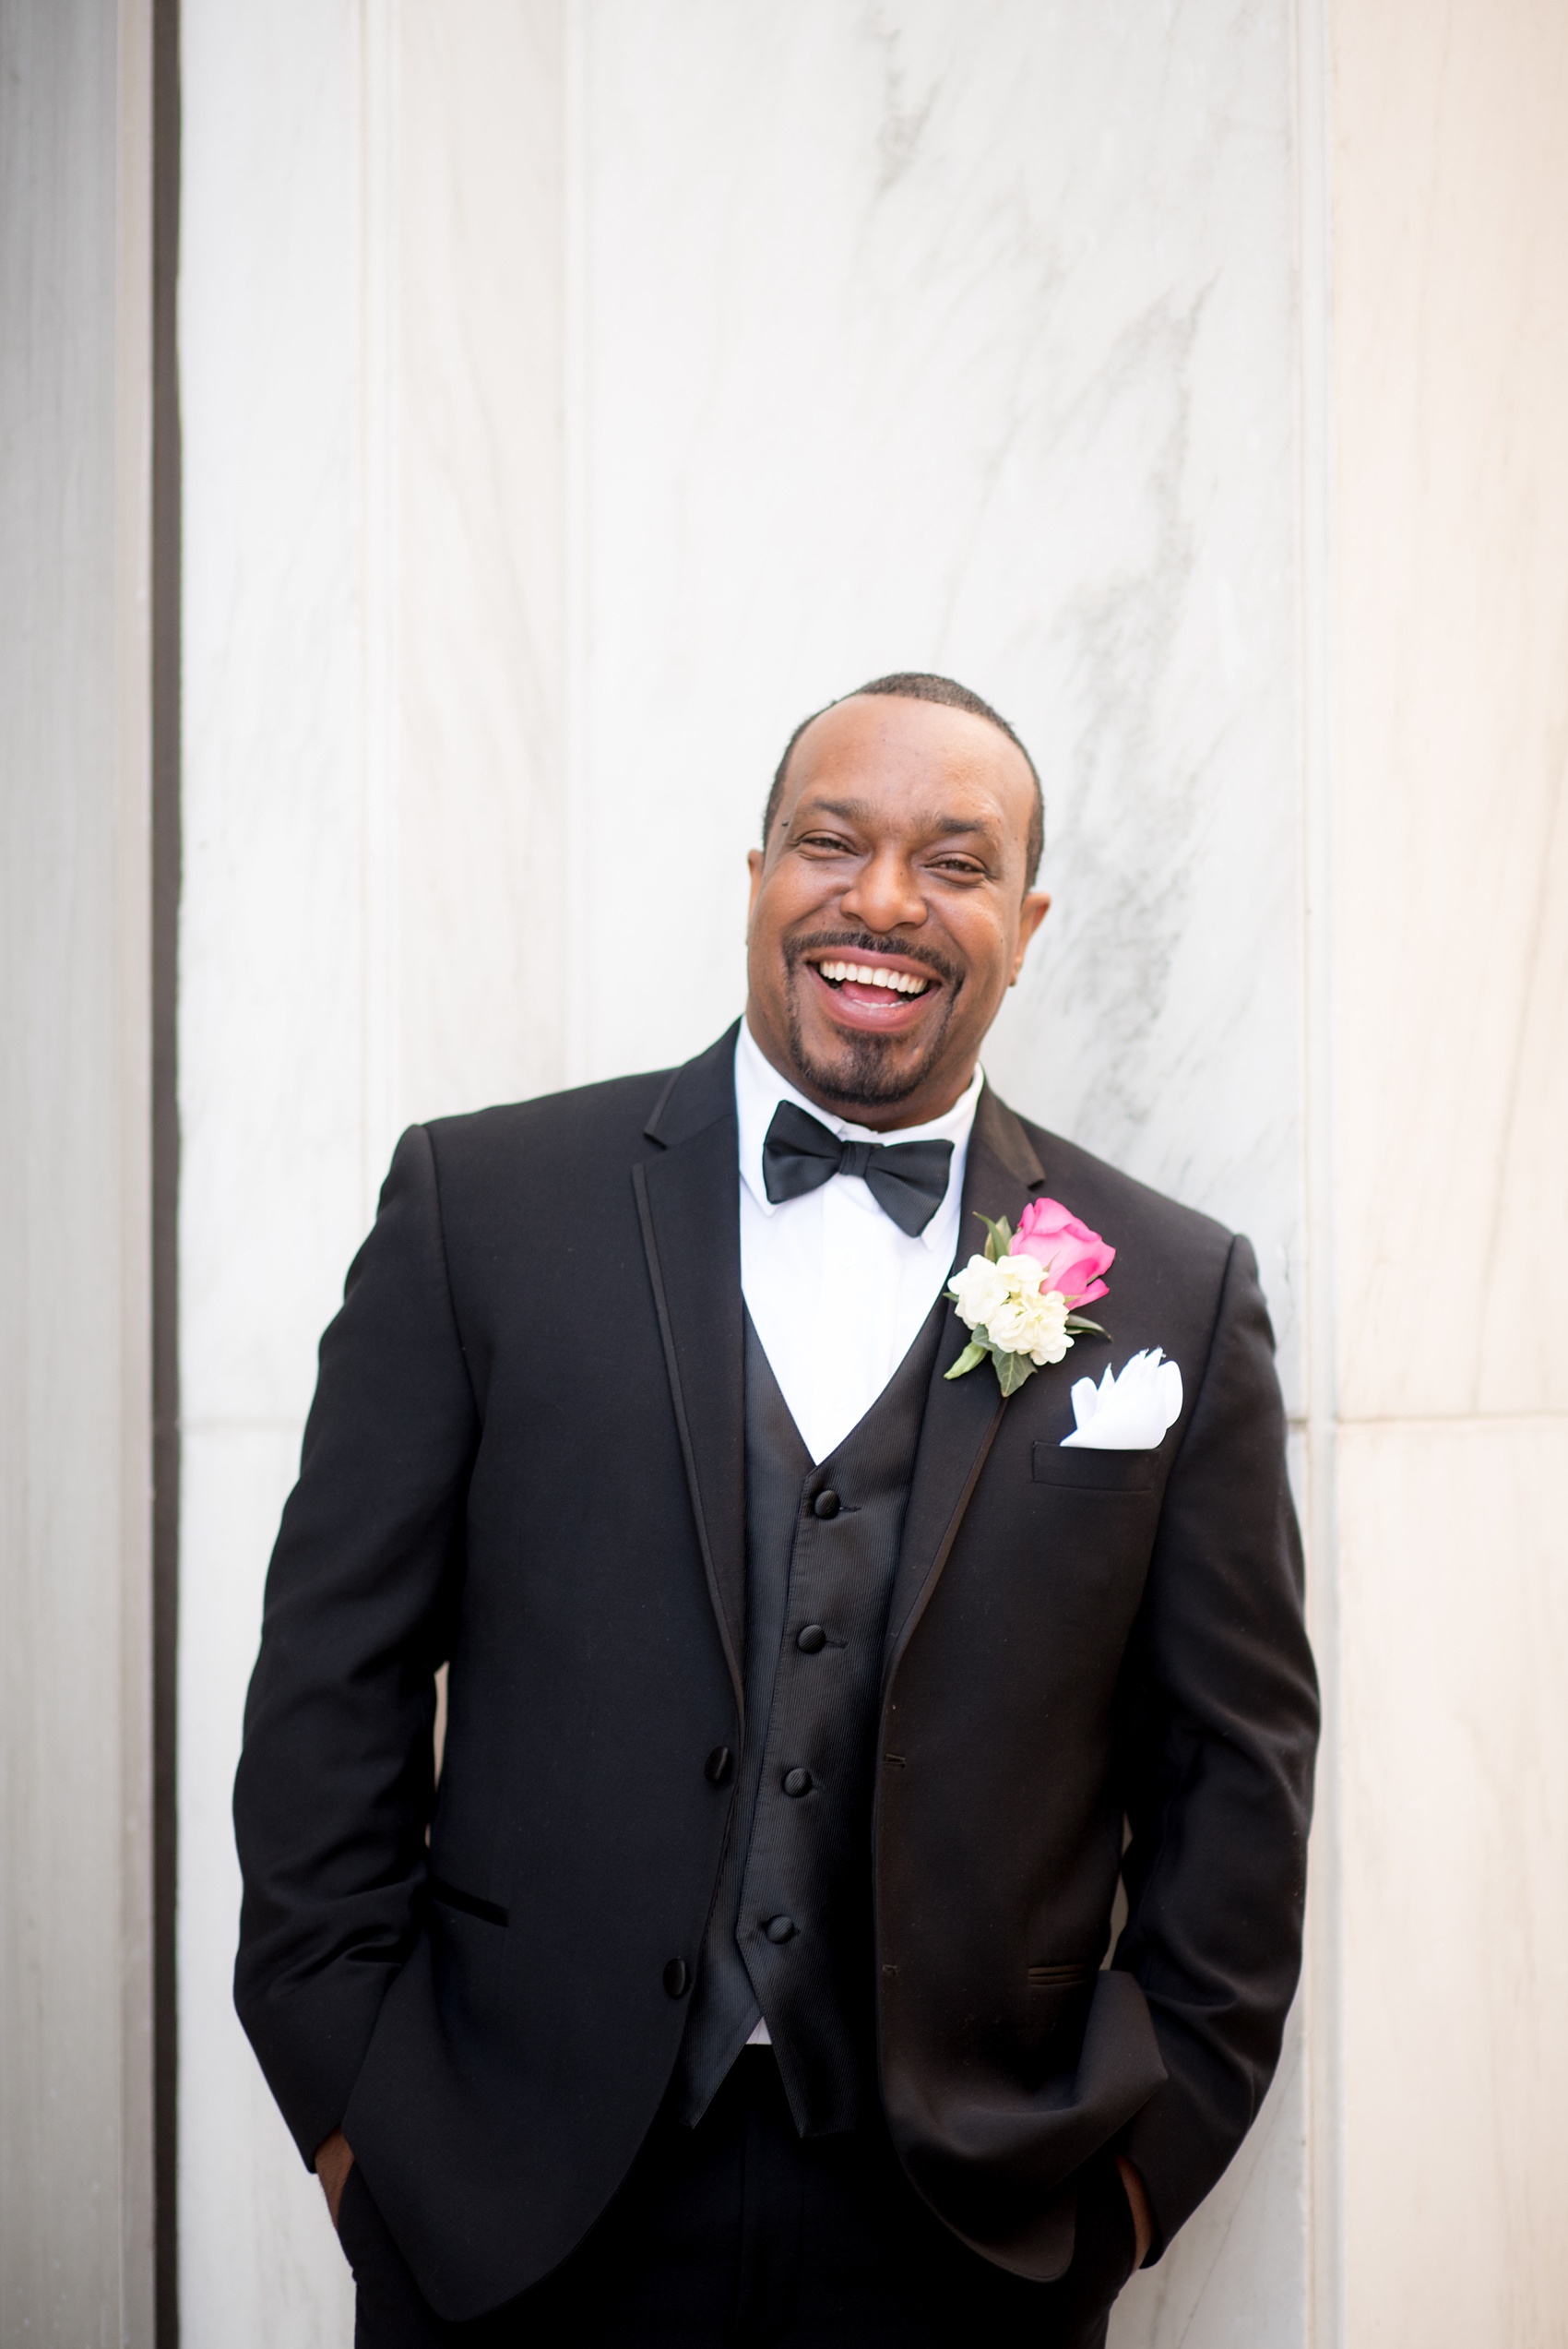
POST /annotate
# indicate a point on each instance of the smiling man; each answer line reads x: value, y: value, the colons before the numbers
x: 826, y: 1649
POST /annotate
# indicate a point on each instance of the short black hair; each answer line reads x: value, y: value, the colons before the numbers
x: 923, y: 684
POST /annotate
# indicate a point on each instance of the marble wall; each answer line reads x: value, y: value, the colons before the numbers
x: 574, y: 395
x: 75, y: 1272
x: 1451, y: 1207
x: 275, y: 1006
x: 927, y: 337
x: 577, y: 392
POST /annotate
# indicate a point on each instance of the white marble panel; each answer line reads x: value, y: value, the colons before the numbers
x: 477, y: 677
x: 1454, y: 1612
x: 77, y: 1991
x: 919, y: 336
x: 273, y: 1177
x: 274, y: 1007
x: 371, y: 342
x: 259, y: 2264
x: 561, y: 422
x: 1236, y: 2276
x: 1451, y: 340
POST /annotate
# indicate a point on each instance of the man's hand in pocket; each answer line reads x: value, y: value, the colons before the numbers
x: 1138, y: 2196
x: 333, y: 2160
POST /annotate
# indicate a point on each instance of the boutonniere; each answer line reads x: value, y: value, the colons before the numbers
x: 1020, y: 1299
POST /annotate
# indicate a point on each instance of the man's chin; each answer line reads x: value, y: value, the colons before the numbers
x: 865, y: 1071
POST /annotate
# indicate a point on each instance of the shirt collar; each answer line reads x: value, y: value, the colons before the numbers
x: 759, y: 1088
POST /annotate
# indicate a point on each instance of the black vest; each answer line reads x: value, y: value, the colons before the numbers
x: 789, y: 1937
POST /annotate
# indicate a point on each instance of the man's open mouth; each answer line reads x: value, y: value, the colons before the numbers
x: 869, y: 984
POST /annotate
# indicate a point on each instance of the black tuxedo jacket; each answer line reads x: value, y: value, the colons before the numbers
x: 525, y: 1455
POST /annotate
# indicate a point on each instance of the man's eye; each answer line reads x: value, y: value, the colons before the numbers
x: 959, y: 864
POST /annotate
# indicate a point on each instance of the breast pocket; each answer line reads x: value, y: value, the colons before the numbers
x: 1087, y: 1471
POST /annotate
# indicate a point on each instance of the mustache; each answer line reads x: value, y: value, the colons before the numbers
x: 871, y: 949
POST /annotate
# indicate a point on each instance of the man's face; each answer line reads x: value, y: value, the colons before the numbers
x: 898, y: 848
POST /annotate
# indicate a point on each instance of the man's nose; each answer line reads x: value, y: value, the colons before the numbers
x: 884, y: 895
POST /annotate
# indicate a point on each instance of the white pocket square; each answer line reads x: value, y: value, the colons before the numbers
x: 1130, y: 1414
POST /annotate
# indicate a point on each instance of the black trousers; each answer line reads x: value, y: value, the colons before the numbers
x: 741, y: 2234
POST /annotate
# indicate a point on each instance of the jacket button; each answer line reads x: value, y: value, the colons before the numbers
x: 797, y: 1782
x: 717, y: 1766
x: 811, y: 1638
x: 780, y: 1928
x: 825, y: 1503
x: 677, y: 1979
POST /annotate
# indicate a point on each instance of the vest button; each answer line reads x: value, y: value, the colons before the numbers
x: 717, y: 1766
x: 825, y: 1503
x: 780, y: 1928
x: 797, y: 1782
x: 811, y: 1638
x: 677, y: 1979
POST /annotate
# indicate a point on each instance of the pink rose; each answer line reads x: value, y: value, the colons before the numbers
x: 1073, y: 1257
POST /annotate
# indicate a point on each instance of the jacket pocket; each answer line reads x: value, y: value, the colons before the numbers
x: 452, y: 1896
x: 1088, y: 1471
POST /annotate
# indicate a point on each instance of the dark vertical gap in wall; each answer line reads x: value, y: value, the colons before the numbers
x: 165, y: 1140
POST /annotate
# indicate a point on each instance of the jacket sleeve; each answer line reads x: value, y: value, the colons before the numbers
x: 1222, y: 1736
x: 335, y: 1782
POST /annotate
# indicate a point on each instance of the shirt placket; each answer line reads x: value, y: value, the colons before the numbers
x: 854, y: 1305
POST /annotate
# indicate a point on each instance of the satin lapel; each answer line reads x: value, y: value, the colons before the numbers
x: 962, y: 1415
x: 688, y: 1203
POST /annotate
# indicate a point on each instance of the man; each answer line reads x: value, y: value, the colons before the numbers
x: 744, y: 1977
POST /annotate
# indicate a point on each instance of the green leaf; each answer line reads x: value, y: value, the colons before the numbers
x: 1001, y: 1238
x: 1012, y: 1369
x: 1078, y: 1325
x: 971, y: 1357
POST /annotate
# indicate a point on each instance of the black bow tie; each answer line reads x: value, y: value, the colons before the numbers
x: 908, y: 1180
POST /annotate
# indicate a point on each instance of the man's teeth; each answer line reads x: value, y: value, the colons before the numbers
x: 864, y: 974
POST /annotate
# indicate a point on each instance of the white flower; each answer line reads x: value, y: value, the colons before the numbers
x: 979, y: 1290
x: 1032, y: 1324
x: 1006, y: 1300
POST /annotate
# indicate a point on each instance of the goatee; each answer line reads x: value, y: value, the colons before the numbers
x: 865, y: 1071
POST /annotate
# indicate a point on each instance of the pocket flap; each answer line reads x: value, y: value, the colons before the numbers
x: 1089, y: 1472
x: 1058, y: 1978
x: 452, y: 1896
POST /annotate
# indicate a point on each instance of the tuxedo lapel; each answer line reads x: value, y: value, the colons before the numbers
x: 688, y: 1204
x: 962, y: 1415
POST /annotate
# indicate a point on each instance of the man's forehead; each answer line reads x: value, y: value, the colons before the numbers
x: 868, y: 745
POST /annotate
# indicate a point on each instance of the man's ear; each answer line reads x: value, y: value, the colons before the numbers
x: 1036, y: 906
x: 753, y: 859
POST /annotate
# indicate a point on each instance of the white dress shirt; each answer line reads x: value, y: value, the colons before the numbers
x: 835, y: 1291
